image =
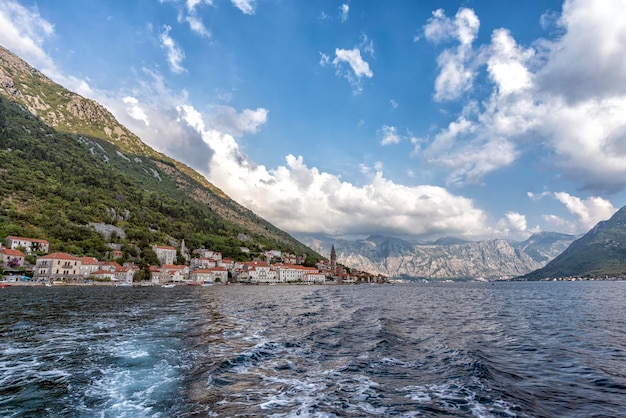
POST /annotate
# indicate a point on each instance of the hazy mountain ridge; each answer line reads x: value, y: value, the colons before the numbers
x: 452, y: 259
x: 110, y: 153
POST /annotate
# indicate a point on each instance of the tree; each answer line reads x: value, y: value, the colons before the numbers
x: 149, y: 257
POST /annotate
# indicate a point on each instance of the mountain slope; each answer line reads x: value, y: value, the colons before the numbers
x: 600, y: 252
x: 52, y: 139
x: 444, y: 259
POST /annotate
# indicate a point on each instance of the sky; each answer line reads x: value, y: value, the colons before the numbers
x: 476, y: 119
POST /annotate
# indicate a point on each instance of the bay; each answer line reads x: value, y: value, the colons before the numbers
x: 540, y: 349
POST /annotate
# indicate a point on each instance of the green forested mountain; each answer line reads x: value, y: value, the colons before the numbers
x: 66, y: 163
x: 601, y: 252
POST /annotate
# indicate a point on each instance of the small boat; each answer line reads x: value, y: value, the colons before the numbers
x: 125, y: 284
x: 168, y: 285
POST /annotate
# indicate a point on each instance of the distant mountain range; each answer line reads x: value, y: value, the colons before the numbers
x: 446, y: 258
x: 600, y: 252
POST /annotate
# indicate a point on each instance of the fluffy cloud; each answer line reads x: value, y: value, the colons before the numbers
x: 456, y: 74
x: 589, y: 211
x: 567, y: 96
x: 514, y: 226
x: 299, y: 198
x: 588, y: 61
x: 175, y: 54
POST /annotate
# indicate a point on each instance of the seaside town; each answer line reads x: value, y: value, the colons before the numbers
x: 28, y: 261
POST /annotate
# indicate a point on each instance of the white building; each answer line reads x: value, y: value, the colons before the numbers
x: 29, y: 244
x: 202, y: 276
x: 165, y: 253
x: 260, y: 272
x: 294, y: 273
x: 88, y: 265
x: 219, y: 273
x: 58, y: 266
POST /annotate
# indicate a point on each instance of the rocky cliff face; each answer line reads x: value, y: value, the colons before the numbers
x: 493, y: 259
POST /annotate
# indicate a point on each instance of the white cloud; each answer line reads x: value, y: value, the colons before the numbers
x: 227, y: 119
x: 197, y: 26
x: 589, y: 211
x: 506, y: 63
x: 358, y: 66
x: 588, y: 60
x: 456, y: 74
x: 135, y: 110
x: 175, y: 54
x: 353, y: 57
x: 514, y: 226
x: 517, y: 221
x: 246, y: 6
x: 393, y: 103
x: 23, y: 32
x: 390, y: 135
x: 567, y: 96
x: 536, y: 197
x: 344, y: 9
x: 192, y: 4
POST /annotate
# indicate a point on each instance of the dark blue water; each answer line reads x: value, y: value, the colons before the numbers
x: 548, y: 349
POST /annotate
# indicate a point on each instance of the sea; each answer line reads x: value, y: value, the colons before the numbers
x: 505, y: 349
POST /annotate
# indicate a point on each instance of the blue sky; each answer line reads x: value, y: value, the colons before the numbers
x: 475, y: 119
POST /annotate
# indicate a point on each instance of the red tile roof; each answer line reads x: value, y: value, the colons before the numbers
x: 60, y: 256
x: 14, y: 253
x: 42, y: 241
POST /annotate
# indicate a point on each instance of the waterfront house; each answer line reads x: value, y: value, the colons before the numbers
x: 294, y: 272
x: 12, y: 258
x: 260, y: 272
x: 58, y: 266
x: 88, y: 265
x: 201, y: 276
x: 219, y: 273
